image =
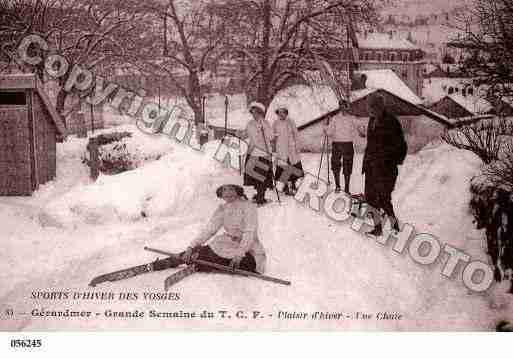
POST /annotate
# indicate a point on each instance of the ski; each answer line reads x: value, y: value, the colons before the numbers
x: 136, y: 270
x: 121, y: 274
x: 226, y: 269
x: 179, y: 275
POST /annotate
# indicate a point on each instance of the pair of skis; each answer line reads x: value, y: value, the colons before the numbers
x: 178, y: 275
x: 141, y: 269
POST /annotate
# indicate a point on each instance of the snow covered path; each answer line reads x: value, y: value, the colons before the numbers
x: 331, y: 267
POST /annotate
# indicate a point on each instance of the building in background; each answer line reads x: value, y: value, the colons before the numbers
x: 378, y: 51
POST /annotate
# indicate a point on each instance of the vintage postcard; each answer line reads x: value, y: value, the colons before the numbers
x: 264, y: 165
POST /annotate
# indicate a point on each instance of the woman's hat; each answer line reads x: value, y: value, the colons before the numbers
x: 238, y: 189
x: 257, y: 105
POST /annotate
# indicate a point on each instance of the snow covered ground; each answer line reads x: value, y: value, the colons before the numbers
x: 72, y: 230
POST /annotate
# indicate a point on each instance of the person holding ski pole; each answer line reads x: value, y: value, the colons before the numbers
x: 386, y: 149
x: 258, y: 165
x: 341, y: 132
x: 238, y: 247
x: 286, y: 137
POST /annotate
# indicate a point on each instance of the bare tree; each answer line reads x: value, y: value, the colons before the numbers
x: 195, y: 34
x: 93, y: 35
x: 276, y: 40
x: 98, y: 36
x: 280, y: 40
x: 500, y: 173
x: 485, y: 138
x: 487, y: 38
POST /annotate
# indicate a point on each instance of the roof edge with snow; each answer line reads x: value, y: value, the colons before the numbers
x: 31, y: 81
x: 424, y: 111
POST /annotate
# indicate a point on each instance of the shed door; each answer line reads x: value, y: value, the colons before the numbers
x: 15, y: 166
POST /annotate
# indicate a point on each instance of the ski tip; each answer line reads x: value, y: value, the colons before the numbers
x: 504, y: 326
x: 94, y: 283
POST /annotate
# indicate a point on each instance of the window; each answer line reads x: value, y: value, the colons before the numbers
x: 451, y: 90
x: 379, y: 56
x: 13, y: 98
x: 405, y: 56
x: 392, y: 56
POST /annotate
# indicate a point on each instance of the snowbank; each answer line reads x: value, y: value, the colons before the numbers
x: 332, y: 268
x: 159, y: 188
x: 433, y: 192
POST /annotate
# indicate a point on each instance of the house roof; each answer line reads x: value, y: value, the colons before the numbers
x: 436, y: 88
x: 376, y: 40
x: 31, y: 81
x: 388, y: 80
x: 420, y: 110
x: 465, y: 121
x: 473, y: 104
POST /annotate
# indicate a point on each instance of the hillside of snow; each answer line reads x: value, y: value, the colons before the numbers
x: 99, y: 227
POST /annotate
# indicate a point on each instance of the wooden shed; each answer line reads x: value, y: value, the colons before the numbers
x: 29, y: 130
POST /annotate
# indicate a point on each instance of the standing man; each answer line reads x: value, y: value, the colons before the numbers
x: 258, y: 166
x: 340, y: 132
x: 286, y: 138
x: 386, y: 149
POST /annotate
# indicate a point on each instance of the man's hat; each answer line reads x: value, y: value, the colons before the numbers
x: 281, y: 108
x: 376, y: 101
x: 257, y: 105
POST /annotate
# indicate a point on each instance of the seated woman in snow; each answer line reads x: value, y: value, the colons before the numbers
x: 238, y: 246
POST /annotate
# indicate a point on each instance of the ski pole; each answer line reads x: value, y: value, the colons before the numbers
x: 272, y: 165
x: 224, y: 268
x: 363, y: 183
x: 322, y: 156
x: 328, y: 157
x: 240, y: 159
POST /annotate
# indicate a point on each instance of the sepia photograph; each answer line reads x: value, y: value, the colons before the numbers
x: 255, y: 166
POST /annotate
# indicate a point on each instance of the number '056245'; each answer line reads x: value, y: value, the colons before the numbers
x: 26, y: 343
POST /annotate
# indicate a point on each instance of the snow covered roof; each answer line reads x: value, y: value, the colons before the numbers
x: 472, y: 104
x: 307, y: 103
x: 434, y: 89
x: 21, y: 81
x: 359, y: 94
x: 388, y: 80
x: 375, y: 40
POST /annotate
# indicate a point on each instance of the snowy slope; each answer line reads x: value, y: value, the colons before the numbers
x: 332, y: 268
